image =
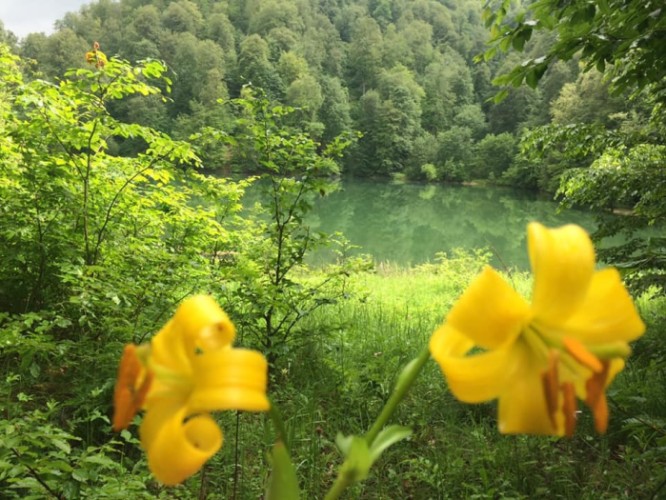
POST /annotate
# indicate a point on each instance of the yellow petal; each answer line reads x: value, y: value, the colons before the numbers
x: 562, y: 261
x: 615, y: 367
x: 607, y: 314
x: 447, y: 341
x: 229, y: 379
x: 203, y: 324
x: 170, y: 352
x: 490, y: 312
x: 199, y: 325
x: 158, y: 414
x: 479, y: 377
x: 523, y: 408
x: 178, y: 449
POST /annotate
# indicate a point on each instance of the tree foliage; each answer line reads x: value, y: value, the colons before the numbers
x: 321, y: 58
x: 294, y: 170
x: 98, y: 246
x: 624, y: 38
x: 633, y: 179
x: 616, y: 149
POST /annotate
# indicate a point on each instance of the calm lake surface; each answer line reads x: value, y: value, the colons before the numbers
x: 408, y: 224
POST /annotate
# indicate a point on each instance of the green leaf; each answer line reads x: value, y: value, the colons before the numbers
x: 344, y: 443
x: 499, y: 97
x: 80, y: 475
x: 505, y: 43
x: 518, y: 42
x: 387, y: 437
x: 283, y: 484
x: 63, y: 445
x: 601, y: 65
x: 358, y: 458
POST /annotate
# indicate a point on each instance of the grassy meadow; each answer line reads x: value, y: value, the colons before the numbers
x: 339, y: 378
x: 336, y: 379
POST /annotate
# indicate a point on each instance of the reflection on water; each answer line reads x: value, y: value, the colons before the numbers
x: 410, y: 223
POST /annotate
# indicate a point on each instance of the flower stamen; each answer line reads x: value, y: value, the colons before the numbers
x: 596, y: 399
x: 569, y: 408
x: 131, y: 388
x: 550, y: 381
x: 581, y: 354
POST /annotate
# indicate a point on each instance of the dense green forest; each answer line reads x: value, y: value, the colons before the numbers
x: 123, y: 169
x: 405, y: 75
x: 400, y: 73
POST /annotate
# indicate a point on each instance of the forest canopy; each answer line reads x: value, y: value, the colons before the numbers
x: 400, y: 73
x: 409, y: 77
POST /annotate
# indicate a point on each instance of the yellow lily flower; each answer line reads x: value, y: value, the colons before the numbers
x: 537, y: 359
x: 187, y: 370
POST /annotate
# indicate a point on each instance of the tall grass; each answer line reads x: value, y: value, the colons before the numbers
x: 339, y: 380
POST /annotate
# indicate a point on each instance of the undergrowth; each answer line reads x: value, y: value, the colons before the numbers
x: 336, y: 381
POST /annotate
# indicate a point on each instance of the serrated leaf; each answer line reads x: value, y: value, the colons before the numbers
x: 62, y: 445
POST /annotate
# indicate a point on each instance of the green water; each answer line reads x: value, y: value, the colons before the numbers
x: 409, y: 223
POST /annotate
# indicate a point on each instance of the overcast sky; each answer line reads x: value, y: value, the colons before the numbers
x: 28, y: 16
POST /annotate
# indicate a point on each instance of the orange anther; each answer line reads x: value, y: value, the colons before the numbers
x: 581, y: 354
x: 550, y: 382
x: 569, y: 408
x: 130, y: 390
x: 595, y: 398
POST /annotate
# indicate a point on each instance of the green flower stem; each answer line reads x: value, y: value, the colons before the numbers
x: 340, y: 484
x: 405, y: 381
x: 278, y: 424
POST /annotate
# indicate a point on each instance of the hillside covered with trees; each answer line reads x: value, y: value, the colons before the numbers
x: 400, y: 73
x: 405, y: 75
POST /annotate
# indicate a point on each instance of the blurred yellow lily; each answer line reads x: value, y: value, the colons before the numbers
x: 188, y: 370
x: 538, y: 359
x: 96, y: 57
